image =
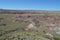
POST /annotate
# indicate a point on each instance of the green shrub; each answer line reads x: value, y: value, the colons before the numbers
x: 55, y: 38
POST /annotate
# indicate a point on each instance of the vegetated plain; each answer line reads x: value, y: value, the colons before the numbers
x: 14, y: 26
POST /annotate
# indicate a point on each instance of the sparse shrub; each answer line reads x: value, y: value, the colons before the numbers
x: 55, y: 38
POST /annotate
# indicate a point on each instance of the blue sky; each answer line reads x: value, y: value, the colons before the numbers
x: 30, y: 4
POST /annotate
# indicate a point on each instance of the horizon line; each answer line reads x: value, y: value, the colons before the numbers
x: 30, y: 9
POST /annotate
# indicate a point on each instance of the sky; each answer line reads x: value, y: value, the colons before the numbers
x: 30, y: 4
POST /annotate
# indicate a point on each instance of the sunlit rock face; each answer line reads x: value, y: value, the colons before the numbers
x: 48, y: 34
x: 58, y: 33
x: 31, y: 25
x: 55, y: 29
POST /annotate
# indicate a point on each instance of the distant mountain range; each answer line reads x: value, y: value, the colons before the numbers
x: 5, y: 11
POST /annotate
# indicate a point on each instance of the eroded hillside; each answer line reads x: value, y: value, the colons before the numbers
x: 16, y: 25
